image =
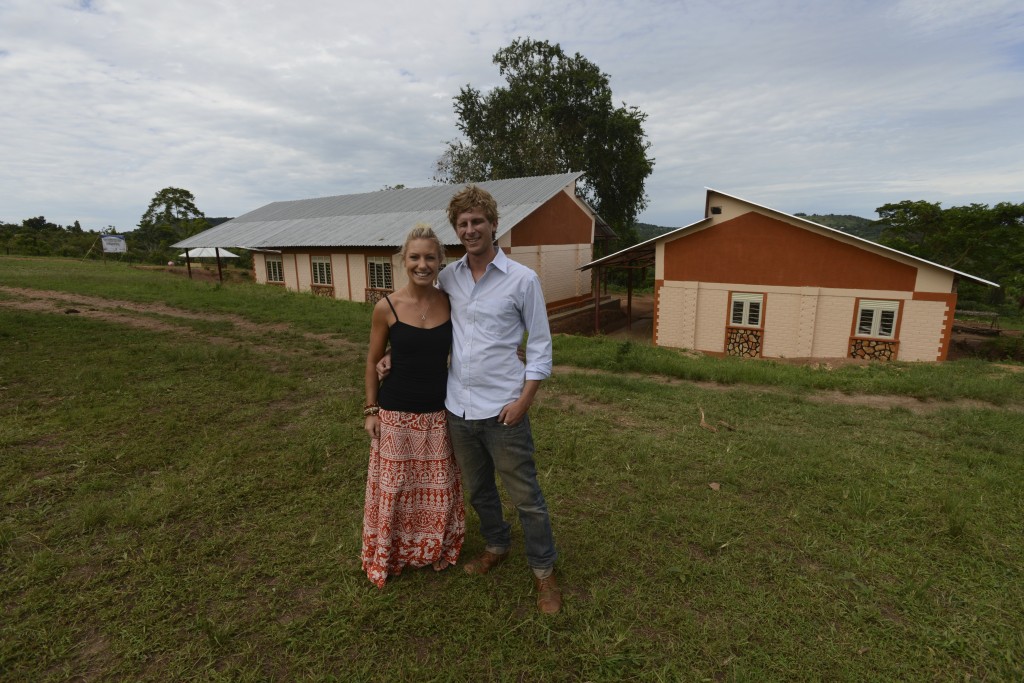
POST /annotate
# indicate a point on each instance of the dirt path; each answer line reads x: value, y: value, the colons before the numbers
x: 156, y: 317
x: 880, y: 401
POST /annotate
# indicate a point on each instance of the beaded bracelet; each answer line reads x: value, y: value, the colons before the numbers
x: 371, y: 410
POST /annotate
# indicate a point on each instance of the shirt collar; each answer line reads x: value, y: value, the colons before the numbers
x: 500, y: 261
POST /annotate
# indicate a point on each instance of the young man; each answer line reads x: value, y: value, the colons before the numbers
x: 494, y: 300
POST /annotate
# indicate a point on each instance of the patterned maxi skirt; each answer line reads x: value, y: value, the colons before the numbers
x: 413, y: 513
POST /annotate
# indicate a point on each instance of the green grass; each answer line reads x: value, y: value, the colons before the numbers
x: 964, y: 379
x: 184, y: 501
x: 119, y: 281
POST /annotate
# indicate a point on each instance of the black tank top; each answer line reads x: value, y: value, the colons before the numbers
x: 418, y: 380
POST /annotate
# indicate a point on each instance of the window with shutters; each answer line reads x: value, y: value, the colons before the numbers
x: 746, y: 309
x: 378, y: 271
x: 321, y: 270
x: 877, y: 318
x: 275, y: 269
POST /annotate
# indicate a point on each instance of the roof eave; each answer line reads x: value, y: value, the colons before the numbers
x: 645, y: 245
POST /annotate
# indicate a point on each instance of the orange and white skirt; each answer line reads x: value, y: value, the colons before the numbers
x: 413, y: 513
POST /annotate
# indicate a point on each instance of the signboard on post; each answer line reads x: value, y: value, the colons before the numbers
x: 114, y: 244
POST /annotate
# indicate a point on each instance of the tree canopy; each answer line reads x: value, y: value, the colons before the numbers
x: 984, y: 241
x: 855, y: 225
x: 554, y: 115
x: 171, y: 217
x: 37, y: 236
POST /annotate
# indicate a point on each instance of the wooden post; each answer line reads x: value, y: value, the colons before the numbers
x: 220, y: 273
x: 188, y: 263
x: 629, y: 300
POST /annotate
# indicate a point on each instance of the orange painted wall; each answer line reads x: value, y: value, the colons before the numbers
x: 756, y: 249
x: 560, y: 220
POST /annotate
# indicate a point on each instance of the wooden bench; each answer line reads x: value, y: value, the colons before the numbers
x: 973, y: 327
x: 994, y: 317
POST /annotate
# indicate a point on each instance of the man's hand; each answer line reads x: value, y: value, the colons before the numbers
x: 384, y: 367
x: 513, y: 413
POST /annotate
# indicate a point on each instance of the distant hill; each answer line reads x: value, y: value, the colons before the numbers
x: 855, y: 225
x: 646, y: 231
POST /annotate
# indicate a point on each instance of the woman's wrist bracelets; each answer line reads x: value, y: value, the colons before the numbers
x: 371, y: 409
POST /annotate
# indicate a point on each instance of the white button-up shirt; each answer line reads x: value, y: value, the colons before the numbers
x: 489, y: 318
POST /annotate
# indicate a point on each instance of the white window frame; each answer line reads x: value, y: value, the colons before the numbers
x: 321, y: 266
x: 750, y: 309
x: 275, y: 268
x: 876, y: 318
x: 379, y: 273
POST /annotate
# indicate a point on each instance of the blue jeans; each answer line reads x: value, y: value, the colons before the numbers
x: 483, y: 447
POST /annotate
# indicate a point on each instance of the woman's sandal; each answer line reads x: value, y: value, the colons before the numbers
x: 441, y: 565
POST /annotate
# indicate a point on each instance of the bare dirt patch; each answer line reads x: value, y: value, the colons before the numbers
x: 203, y: 272
x: 567, y: 404
x: 914, y: 405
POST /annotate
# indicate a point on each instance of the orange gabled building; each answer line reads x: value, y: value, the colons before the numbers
x: 747, y: 280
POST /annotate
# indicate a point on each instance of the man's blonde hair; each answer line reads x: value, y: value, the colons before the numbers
x: 422, y: 231
x: 469, y: 198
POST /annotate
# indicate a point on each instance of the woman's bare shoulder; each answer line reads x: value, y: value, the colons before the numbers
x: 382, y: 310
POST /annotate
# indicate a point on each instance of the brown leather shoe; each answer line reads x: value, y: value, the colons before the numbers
x: 484, y: 562
x: 549, y: 595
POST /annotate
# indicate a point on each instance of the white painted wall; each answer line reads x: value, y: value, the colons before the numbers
x: 921, y: 330
x: 259, y: 267
x: 799, y: 322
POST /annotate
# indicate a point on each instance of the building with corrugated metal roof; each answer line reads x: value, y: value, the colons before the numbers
x: 346, y: 246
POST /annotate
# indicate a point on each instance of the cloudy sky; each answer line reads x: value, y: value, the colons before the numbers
x: 820, y: 106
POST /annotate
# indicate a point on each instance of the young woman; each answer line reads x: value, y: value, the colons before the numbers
x: 413, y: 513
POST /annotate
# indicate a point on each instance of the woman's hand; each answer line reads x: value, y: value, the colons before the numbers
x: 372, y: 426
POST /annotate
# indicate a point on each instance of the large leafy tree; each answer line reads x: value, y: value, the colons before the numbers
x: 977, y: 239
x: 171, y: 217
x: 39, y: 237
x: 555, y: 114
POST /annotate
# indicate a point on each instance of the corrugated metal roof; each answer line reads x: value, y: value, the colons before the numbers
x: 380, y: 218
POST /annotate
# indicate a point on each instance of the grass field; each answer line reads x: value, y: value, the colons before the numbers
x: 182, y: 477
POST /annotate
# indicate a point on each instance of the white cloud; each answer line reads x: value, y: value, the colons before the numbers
x: 804, y: 106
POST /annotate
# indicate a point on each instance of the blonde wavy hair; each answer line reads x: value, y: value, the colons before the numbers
x: 422, y: 231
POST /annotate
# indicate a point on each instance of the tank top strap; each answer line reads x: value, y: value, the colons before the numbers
x: 393, y: 311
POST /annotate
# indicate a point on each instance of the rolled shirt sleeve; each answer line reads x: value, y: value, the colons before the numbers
x: 538, y: 330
